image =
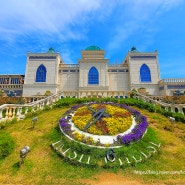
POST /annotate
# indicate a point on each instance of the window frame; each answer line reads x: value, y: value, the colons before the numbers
x: 93, y: 76
x: 41, y: 75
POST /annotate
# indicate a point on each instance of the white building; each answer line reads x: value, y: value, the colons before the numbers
x: 93, y: 76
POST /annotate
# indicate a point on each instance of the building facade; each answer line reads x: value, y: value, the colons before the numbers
x: 92, y: 76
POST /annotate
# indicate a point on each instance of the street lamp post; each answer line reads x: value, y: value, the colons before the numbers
x: 23, y: 153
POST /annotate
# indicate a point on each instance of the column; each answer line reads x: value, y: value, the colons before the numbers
x: 80, y: 94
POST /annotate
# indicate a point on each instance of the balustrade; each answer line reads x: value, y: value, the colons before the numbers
x: 16, y: 111
x: 173, y: 107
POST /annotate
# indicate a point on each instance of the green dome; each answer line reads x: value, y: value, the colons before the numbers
x: 133, y: 49
x: 93, y: 48
x: 51, y: 50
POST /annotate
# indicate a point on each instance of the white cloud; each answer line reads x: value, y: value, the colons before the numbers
x: 140, y: 15
x: 37, y: 24
x: 19, y: 17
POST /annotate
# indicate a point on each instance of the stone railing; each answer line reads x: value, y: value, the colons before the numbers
x: 11, y: 86
x: 69, y: 65
x: 173, y: 80
x: 10, y: 111
x: 180, y: 108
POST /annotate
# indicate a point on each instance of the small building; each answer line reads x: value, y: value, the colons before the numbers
x: 11, y: 84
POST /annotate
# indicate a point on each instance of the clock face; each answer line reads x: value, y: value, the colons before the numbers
x: 99, y: 123
x: 102, y: 119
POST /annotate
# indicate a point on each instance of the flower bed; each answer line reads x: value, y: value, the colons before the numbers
x: 118, y: 121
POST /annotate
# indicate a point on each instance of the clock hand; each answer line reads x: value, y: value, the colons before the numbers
x: 97, y: 116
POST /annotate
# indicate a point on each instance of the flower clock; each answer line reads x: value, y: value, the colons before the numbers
x: 102, y: 126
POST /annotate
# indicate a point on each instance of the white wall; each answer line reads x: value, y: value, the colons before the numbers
x: 118, y: 81
x: 134, y: 73
x: 38, y: 89
x: 69, y: 81
x: 31, y: 87
x: 84, y: 68
x: 134, y: 69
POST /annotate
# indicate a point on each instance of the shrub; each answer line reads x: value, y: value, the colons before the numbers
x: 47, y: 93
x: 11, y: 100
x: 2, y: 124
x: 168, y: 113
x: 47, y: 108
x: 151, y: 108
x: 179, y: 117
x: 7, y: 144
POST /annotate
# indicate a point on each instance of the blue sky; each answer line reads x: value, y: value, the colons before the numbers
x: 69, y: 26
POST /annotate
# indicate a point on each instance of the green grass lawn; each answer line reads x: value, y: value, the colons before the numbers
x: 43, y: 166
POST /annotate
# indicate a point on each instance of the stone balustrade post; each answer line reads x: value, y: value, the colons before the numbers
x: 18, y: 113
x: 47, y: 103
x: 1, y: 113
x: 42, y: 105
x: 38, y: 106
x: 180, y: 110
x: 7, y: 112
x: 33, y: 108
x: 26, y: 110
x: 10, y: 113
x: 13, y: 112
x: 172, y: 109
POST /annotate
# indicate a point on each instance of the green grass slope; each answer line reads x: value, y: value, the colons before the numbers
x: 43, y: 166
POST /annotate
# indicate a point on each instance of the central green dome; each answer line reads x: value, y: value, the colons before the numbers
x: 93, y: 48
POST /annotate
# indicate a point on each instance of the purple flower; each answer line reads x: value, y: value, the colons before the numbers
x: 64, y: 124
x: 136, y: 134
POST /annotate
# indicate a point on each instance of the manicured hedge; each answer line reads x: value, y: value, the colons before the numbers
x: 128, y: 101
x: 153, y: 108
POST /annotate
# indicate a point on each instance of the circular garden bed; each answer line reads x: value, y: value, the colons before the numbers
x: 103, y: 124
x: 105, y: 134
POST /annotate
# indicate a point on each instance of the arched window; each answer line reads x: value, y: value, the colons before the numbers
x: 145, y: 73
x: 41, y: 74
x: 93, y: 76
